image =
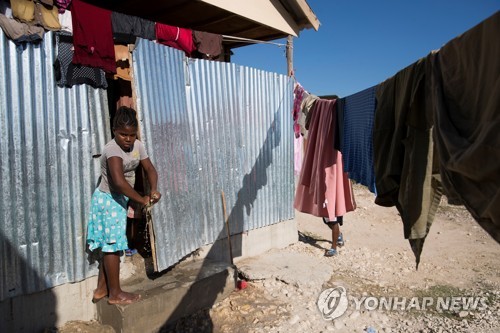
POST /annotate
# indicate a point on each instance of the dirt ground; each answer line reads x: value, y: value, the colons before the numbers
x: 459, y: 260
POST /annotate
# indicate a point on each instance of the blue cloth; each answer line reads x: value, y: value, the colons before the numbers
x: 357, y: 137
x: 107, y: 224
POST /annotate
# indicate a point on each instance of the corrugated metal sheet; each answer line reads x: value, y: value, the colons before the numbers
x: 47, y: 174
x: 212, y: 127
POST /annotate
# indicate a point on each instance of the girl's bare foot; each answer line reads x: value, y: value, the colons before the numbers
x: 124, y: 298
x: 98, y: 295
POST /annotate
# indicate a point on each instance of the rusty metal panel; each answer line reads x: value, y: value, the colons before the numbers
x: 47, y: 174
x: 212, y: 127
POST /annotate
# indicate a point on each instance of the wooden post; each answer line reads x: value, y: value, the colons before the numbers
x: 226, y: 221
x: 289, y: 54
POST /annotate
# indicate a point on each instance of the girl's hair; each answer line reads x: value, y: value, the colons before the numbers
x: 125, y: 116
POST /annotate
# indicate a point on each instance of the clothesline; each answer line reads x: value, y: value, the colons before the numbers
x: 255, y: 41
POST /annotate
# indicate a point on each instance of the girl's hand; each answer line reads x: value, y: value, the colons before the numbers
x: 145, y: 201
x: 155, y: 197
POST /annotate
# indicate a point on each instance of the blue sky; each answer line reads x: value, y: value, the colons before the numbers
x: 361, y: 43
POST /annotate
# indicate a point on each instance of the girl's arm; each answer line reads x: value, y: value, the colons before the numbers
x: 152, y: 179
x: 115, y: 165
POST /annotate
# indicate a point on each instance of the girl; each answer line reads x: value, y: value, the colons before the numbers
x: 108, y: 217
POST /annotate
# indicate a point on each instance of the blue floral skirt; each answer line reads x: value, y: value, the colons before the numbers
x: 107, y: 225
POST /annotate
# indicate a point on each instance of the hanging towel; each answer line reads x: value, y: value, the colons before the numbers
x: 466, y: 107
x: 324, y: 189
x: 357, y: 137
x: 179, y: 38
x: 92, y: 36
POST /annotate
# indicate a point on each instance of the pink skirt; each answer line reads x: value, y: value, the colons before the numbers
x: 324, y: 189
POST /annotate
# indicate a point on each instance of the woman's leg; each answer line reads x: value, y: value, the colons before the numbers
x: 102, y: 286
x: 116, y: 294
x: 335, y: 234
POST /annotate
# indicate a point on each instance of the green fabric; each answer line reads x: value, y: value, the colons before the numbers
x: 466, y: 106
x: 404, y: 159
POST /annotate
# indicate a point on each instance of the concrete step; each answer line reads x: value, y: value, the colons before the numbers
x: 183, y: 290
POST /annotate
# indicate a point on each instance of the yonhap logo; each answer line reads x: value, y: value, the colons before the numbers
x: 333, y: 302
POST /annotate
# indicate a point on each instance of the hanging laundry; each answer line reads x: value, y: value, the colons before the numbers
x: 46, y: 15
x: 66, y: 21
x: 23, y: 10
x: 324, y: 189
x: 339, y: 128
x: 465, y: 87
x: 122, y: 63
x: 126, y: 28
x: 179, y: 38
x: 21, y: 33
x: 406, y: 172
x: 305, y: 115
x: 121, y: 87
x: 208, y: 46
x: 62, y: 5
x: 298, y: 95
x: 68, y: 74
x: 41, y: 13
x: 121, y: 93
x: 92, y: 36
x: 356, y: 138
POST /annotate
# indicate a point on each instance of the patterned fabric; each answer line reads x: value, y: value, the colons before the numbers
x: 357, y: 137
x: 107, y: 222
x: 68, y: 74
x: 298, y: 96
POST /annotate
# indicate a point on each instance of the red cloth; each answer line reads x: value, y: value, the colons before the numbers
x: 92, y: 36
x: 324, y: 189
x: 179, y: 38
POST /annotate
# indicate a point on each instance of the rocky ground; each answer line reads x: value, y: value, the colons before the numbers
x: 459, y: 260
x: 284, y: 285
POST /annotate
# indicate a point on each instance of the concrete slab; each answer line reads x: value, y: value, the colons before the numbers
x: 186, y: 288
x: 297, y: 269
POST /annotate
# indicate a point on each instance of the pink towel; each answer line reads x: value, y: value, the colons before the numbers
x: 324, y: 189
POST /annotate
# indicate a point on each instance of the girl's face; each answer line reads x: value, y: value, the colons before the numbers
x: 125, y: 137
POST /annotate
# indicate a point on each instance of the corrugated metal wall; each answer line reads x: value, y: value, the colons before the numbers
x: 211, y: 127
x: 208, y: 126
x: 47, y: 174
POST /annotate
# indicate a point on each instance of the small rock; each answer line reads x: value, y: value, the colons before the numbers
x: 354, y: 315
x: 294, y: 320
x: 463, y: 314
